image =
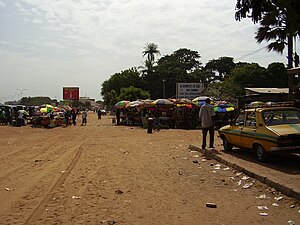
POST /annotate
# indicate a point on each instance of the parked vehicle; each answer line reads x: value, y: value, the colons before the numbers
x: 265, y: 130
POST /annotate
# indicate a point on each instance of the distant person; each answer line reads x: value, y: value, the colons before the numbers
x: 20, y: 119
x: 74, y: 115
x: 206, y: 115
x: 99, y: 113
x: 67, y: 117
x: 84, y: 116
x: 118, y: 115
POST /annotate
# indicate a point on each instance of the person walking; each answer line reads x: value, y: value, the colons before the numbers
x: 84, y: 116
x: 206, y: 115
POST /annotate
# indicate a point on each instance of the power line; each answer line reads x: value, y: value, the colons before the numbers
x: 251, y: 53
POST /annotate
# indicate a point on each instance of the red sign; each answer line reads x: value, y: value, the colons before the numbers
x: 71, y: 93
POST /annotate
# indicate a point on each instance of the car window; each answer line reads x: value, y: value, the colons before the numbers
x: 250, y: 119
x: 277, y: 117
x: 240, y: 119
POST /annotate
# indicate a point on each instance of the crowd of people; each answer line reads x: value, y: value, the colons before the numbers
x: 182, y: 116
x: 19, y: 115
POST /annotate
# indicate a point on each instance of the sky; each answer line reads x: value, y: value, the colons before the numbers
x: 46, y: 45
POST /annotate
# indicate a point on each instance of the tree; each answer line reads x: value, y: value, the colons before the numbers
x: 150, y: 50
x: 279, y: 21
x: 170, y: 69
x: 132, y: 93
x: 35, y: 100
x: 126, y: 78
x: 277, y: 75
x: 220, y: 67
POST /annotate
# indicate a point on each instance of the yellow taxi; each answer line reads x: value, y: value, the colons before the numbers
x: 265, y: 130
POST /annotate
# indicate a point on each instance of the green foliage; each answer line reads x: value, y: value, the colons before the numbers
x: 277, y: 75
x: 150, y: 50
x: 278, y: 19
x: 249, y: 75
x: 220, y: 67
x: 132, y: 93
x: 32, y: 101
x: 117, y: 81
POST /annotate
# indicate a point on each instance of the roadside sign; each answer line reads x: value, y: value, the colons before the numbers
x: 189, y: 90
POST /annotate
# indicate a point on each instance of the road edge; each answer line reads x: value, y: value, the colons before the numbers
x: 277, y: 186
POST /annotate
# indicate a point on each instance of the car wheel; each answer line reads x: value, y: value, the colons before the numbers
x: 227, y: 146
x: 261, y: 154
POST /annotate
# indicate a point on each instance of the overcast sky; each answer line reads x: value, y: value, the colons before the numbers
x: 48, y: 44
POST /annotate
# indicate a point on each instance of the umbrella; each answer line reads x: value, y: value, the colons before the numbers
x: 183, y: 100
x: 199, y: 101
x: 162, y: 102
x: 256, y: 104
x: 133, y: 104
x: 223, y: 106
x: 24, y: 112
x: 121, y: 104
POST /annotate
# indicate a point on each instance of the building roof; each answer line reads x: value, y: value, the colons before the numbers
x: 269, y: 90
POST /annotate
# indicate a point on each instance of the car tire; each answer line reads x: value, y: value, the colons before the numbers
x: 261, y: 154
x: 227, y: 146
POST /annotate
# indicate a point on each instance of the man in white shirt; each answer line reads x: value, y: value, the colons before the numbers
x: 205, y: 114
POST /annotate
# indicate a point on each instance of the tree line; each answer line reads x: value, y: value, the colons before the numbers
x: 222, y: 77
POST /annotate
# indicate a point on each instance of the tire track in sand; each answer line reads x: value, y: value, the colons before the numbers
x: 38, y: 210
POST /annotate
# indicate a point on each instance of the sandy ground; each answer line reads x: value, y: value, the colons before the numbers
x: 105, y: 174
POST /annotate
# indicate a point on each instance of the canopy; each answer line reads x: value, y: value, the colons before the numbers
x: 162, y: 102
x: 121, y: 104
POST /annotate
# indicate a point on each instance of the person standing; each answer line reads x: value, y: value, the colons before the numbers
x: 74, y: 114
x: 67, y: 117
x: 206, y: 115
x: 84, y: 116
x: 99, y: 113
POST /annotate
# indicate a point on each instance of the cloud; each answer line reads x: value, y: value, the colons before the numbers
x: 72, y: 40
x: 2, y: 4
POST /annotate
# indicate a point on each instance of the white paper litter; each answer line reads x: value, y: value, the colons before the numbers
x: 227, y: 168
x: 238, y: 174
x: 239, y: 183
x: 203, y: 160
x: 262, y: 207
x: 245, y: 178
x: 247, y: 186
x: 291, y: 222
x: 278, y: 198
x: 263, y: 214
x: 263, y: 197
x: 75, y: 197
x: 275, y: 204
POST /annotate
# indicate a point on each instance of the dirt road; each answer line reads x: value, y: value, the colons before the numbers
x: 105, y: 174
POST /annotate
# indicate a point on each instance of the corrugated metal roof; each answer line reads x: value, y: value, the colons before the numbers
x: 269, y: 90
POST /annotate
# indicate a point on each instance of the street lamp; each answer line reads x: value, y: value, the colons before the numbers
x: 21, y: 92
x: 164, y: 88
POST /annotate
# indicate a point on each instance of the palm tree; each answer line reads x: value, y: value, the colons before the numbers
x: 151, y: 50
x: 147, y: 68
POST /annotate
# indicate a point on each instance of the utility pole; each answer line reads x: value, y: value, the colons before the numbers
x: 164, y: 88
x: 290, y: 65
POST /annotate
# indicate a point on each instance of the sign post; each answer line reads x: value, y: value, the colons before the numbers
x: 189, y: 90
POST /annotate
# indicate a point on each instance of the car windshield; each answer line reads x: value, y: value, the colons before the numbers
x: 278, y: 117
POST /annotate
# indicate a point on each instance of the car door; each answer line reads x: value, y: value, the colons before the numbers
x: 248, y: 131
x: 236, y: 128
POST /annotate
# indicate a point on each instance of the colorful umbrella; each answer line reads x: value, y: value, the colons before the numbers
x: 162, y: 102
x: 256, y: 104
x: 199, y: 101
x: 121, y: 104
